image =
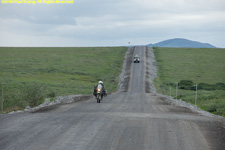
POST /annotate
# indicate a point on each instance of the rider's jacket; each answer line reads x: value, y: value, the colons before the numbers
x: 103, y: 88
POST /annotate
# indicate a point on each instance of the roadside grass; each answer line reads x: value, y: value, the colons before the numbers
x: 202, y: 66
x: 59, y: 71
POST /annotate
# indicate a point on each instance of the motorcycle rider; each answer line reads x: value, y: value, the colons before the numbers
x: 104, y: 93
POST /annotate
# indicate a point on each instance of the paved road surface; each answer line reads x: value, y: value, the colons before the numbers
x: 131, y: 119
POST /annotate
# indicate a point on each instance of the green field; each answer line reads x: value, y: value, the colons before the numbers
x: 56, y: 72
x: 202, y: 66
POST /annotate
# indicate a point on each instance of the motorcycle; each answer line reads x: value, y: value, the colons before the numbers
x: 99, y: 93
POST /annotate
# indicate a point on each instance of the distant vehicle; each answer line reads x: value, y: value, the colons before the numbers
x: 136, y: 58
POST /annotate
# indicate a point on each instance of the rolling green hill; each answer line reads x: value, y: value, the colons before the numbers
x: 56, y: 72
x: 191, y: 66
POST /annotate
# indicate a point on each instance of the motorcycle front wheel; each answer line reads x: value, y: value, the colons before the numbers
x: 98, y: 98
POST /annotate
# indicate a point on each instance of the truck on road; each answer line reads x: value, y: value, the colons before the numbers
x: 136, y: 58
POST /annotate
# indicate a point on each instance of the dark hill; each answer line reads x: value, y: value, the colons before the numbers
x: 178, y: 42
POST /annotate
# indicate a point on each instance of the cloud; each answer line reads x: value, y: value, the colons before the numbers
x: 112, y: 22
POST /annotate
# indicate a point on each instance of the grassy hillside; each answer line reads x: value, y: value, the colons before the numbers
x: 57, y: 71
x: 202, y: 66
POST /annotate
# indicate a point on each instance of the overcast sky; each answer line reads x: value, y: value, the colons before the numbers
x: 112, y: 22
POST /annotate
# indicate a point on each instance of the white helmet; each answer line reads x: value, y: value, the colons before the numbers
x: 100, y: 82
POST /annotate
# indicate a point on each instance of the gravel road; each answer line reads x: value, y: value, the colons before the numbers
x: 134, y: 118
